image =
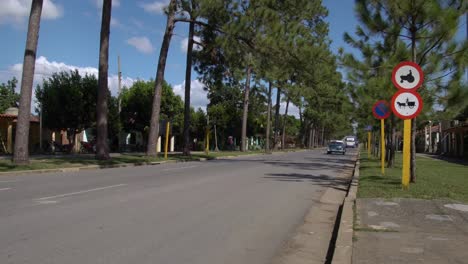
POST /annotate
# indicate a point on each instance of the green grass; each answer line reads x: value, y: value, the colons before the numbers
x: 213, y: 154
x: 87, y: 160
x: 72, y: 161
x: 435, y: 179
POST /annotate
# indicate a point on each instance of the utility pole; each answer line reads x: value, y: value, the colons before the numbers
x: 119, y: 74
x: 120, y: 84
x: 40, y: 129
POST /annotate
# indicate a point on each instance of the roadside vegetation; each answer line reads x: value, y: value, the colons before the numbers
x: 73, y: 161
x: 437, y: 179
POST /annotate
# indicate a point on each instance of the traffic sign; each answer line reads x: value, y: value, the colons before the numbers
x: 381, y: 110
x: 406, y: 105
x: 407, y: 76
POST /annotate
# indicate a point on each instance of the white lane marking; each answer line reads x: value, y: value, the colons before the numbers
x: 459, y: 207
x: 4, y: 189
x: 180, y: 168
x: 9, y: 181
x: 79, y: 192
x: 46, y: 202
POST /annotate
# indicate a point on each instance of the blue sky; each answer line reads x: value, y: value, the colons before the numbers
x: 69, y: 38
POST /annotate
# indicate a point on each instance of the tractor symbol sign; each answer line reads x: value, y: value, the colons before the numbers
x: 406, y: 105
x: 407, y: 76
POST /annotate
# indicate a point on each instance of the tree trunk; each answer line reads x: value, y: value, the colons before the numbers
x: 276, y: 130
x: 246, y: 110
x: 188, y: 79
x: 323, y: 136
x: 71, y: 135
x: 376, y: 144
x: 268, y: 126
x: 102, y: 145
x: 283, y: 135
x: 393, y: 145
x: 314, y: 137
x: 156, y: 108
x: 302, y: 128
x: 21, y: 151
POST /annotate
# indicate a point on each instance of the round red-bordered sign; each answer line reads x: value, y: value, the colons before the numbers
x: 406, y: 104
x: 381, y: 109
x: 407, y: 76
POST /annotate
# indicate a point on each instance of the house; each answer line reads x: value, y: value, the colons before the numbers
x: 8, y: 121
x: 454, y: 142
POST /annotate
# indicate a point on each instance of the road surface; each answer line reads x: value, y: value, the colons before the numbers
x: 239, y: 210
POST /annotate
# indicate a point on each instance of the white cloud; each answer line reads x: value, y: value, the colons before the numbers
x: 142, y: 44
x: 45, y: 69
x: 155, y: 7
x: 198, y: 96
x: 115, y: 22
x: 17, y: 11
x: 137, y: 23
x: 115, y: 3
x: 292, y: 109
x: 184, y: 44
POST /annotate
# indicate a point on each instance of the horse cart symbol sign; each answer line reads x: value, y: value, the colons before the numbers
x: 407, y: 76
x: 406, y: 105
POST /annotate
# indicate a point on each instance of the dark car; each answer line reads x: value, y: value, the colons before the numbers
x: 336, y: 147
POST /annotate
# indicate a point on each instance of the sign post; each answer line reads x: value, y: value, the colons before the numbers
x: 407, y: 104
x: 382, y: 144
x: 405, y: 178
x: 381, y: 111
x: 167, y: 139
x: 369, y: 136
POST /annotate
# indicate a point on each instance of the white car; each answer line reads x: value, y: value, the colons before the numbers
x: 350, y: 142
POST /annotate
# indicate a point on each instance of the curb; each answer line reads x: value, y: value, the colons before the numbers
x: 126, y: 165
x: 343, y: 252
x: 95, y: 167
x: 313, y: 242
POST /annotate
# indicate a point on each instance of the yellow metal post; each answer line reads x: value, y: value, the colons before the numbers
x: 207, y: 145
x: 382, y: 144
x: 405, y: 179
x: 10, y: 138
x: 167, y: 139
x: 368, y: 144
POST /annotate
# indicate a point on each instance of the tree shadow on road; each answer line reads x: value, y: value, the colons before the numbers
x: 336, y: 167
x: 320, y: 180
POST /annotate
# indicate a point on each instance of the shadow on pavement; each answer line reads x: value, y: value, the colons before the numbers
x: 321, y: 180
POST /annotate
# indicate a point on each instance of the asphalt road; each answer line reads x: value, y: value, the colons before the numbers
x: 223, y: 211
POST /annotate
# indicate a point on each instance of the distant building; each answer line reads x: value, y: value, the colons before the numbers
x: 454, y: 141
x: 8, y: 121
x: 448, y: 138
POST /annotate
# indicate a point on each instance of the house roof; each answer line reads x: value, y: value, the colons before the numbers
x: 33, y: 119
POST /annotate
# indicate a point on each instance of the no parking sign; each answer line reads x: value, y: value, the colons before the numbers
x: 381, y: 110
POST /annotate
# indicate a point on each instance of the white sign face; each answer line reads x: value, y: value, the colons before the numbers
x: 407, y: 105
x: 407, y: 77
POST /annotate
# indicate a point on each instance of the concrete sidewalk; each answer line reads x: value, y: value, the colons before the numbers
x: 410, y: 231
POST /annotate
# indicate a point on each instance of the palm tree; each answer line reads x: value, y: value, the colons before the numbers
x: 156, y: 109
x: 188, y: 74
x: 21, y: 152
x: 102, y: 146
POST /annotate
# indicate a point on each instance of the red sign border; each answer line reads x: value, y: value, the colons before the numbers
x: 408, y: 63
x: 375, y: 114
x: 421, y: 104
